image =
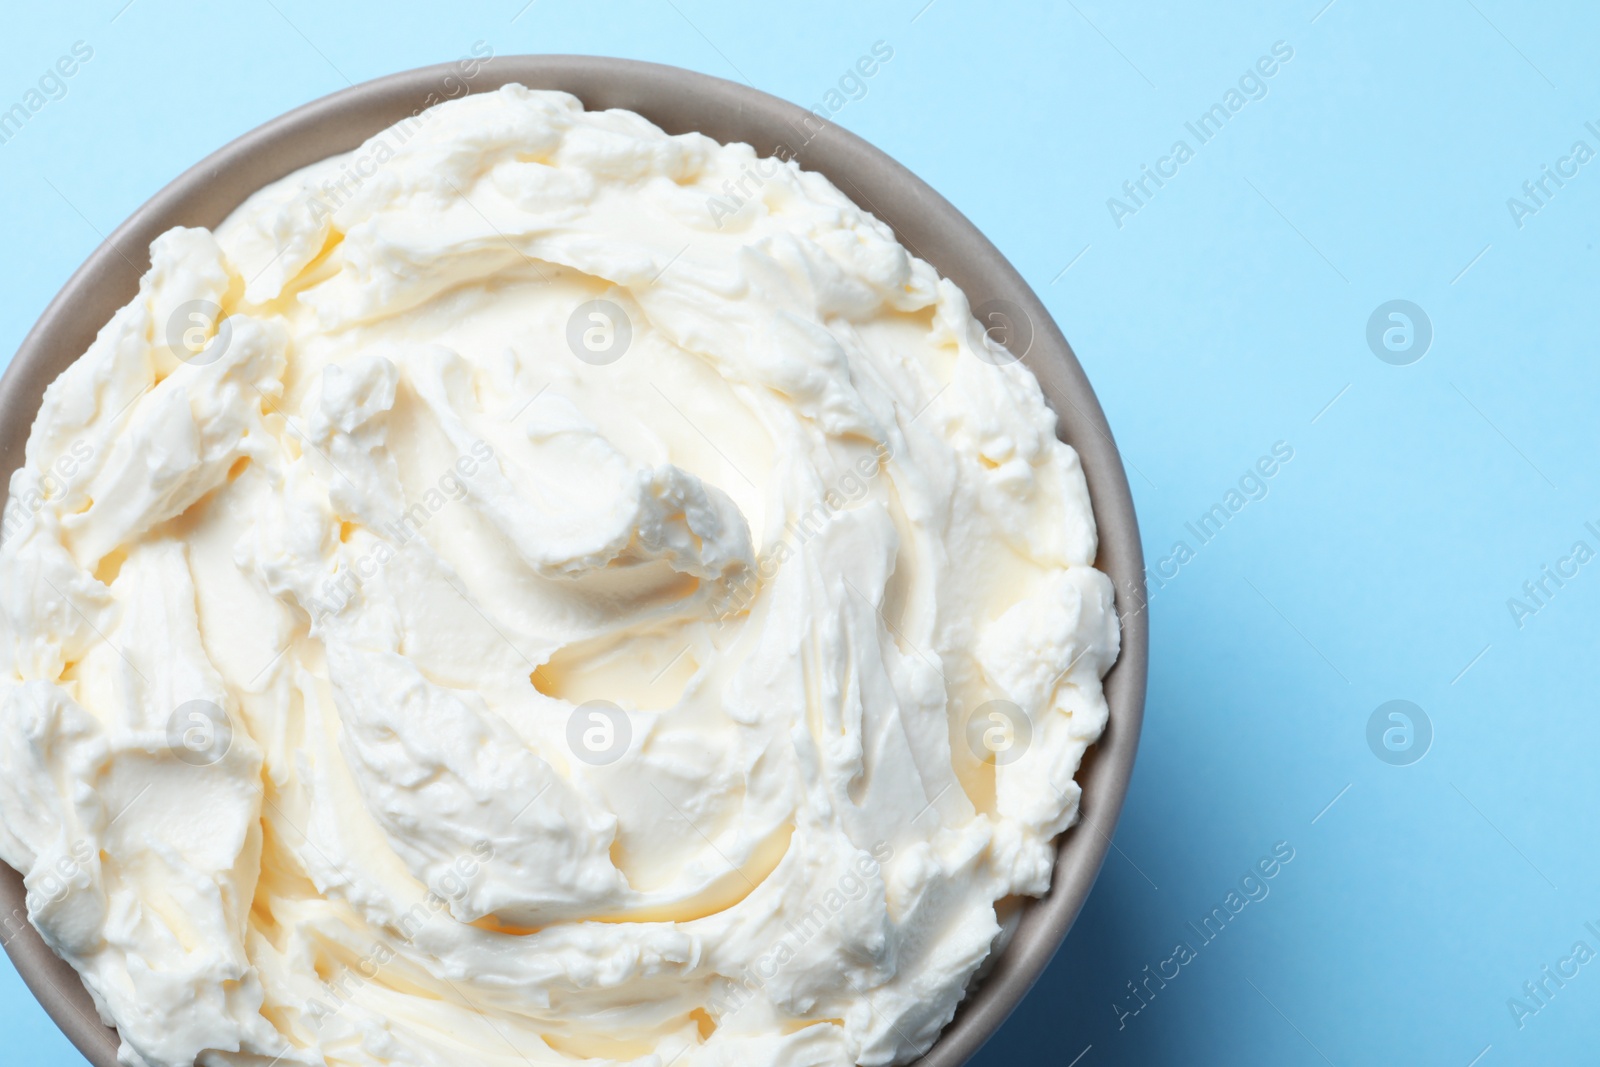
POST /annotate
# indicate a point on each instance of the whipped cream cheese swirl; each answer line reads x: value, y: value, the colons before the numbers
x: 491, y: 602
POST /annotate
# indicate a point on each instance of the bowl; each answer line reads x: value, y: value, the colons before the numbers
x: 679, y: 101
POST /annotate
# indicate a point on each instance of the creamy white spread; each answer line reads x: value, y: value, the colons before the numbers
x: 590, y: 595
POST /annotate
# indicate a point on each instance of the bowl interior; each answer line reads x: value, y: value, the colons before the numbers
x: 678, y: 101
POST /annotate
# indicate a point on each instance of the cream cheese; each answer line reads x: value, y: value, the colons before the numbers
x: 509, y: 607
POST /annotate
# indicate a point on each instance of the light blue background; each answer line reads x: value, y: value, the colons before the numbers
x: 1221, y: 318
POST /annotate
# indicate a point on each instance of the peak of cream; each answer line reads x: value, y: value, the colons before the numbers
x: 622, y: 710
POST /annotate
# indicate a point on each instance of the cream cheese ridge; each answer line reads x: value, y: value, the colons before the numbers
x: 527, y: 592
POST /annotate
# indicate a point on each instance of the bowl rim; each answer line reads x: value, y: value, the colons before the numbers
x: 678, y: 101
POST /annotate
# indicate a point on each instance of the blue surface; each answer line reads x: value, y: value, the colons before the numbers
x: 1226, y: 314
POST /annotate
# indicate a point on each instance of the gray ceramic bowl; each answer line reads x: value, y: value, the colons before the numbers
x: 678, y: 101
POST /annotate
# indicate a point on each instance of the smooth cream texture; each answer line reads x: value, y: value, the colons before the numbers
x: 394, y: 528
